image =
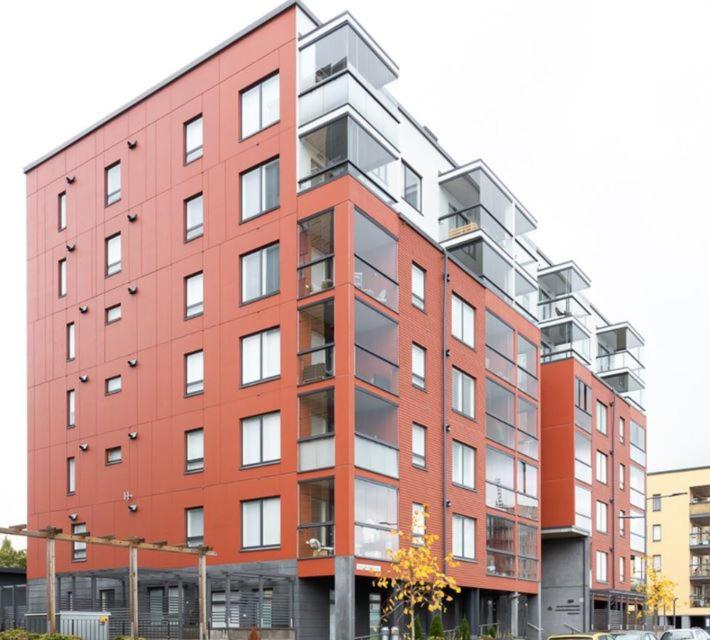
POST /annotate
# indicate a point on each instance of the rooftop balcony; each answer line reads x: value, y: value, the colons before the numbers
x: 619, y: 360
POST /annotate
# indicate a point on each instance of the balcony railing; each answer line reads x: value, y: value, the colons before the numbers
x: 470, y: 219
x: 700, y: 539
x: 620, y: 360
x: 700, y: 571
x: 316, y: 541
x: 700, y: 603
x: 565, y: 307
x: 700, y: 507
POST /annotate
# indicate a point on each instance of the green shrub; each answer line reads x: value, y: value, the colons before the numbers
x: 18, y: 634
x: 57, y: 636
x: 464, y: 629
x: 127, y: 638
x: 418, y: 633
x: 437, y: 628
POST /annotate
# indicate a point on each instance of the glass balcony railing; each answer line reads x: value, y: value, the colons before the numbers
x: 316, y: 453
x: 565, y: 307
x: 316, y: 364
x: 620, y: 360
x: 459, y: 223
x: 317, y: 541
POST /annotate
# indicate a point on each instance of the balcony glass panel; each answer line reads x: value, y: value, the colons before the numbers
x: 526, y: 294
x: 526, y: 256
x: 315, y: 340
x: 565, y: 307
x: 460, y: 222
x: 375, y: 418
x: 376, y: 353
x: 376, y: 457
x: 482, y: 260
x: 564, y: 341
x: 317, y: 541
x: 557, y: 281
x: 375, y: 519
x: 500, y: 414
x: 620, y: 360
x: 316, y: 454
x: 376, y: 261
x: 500, y: 478
x: 315, y: 254
x: 316, y: 514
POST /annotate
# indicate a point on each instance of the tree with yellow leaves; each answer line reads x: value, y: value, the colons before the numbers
x: 660, y: 591
x: 415, y: 579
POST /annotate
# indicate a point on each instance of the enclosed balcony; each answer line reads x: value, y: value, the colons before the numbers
x: 619, y: 360
x: 562, y: 279
x: 565, y: 338
x: 699, y: 507
x: 489, y: 264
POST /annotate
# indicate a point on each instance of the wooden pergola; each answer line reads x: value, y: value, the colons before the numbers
x: 52, y: 534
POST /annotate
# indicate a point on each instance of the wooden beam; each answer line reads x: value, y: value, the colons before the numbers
x: 51, y: 587
x: 202, y: 595
x: 133, y: 588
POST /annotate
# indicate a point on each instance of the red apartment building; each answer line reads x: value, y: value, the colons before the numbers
x: 268, y: 313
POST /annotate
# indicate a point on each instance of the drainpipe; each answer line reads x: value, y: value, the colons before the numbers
x: 443, y: 409
x: 612, y: 500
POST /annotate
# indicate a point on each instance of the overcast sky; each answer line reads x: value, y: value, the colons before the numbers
x: 596, y: 115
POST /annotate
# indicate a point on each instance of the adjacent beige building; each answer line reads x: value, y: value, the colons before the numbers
x: 678, y: 536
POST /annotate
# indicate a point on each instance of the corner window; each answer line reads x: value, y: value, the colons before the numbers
x: 113, y: 314
x: 260, y: 189
x: 315, y: 254
x: 418, y: 445
x: 260, y: 106
x: 193, y: 139
x: 113, y: 254
x: 194, y: 373
x: 113, y: 385
x: 71, y: 475
x: 412, y: 187
x: 62, y: 211
x: 71, y: 408
x: 195, y: 527
x: 602, y: 517
x: 375, y: 519
x: 113, y: 183
x: 78, y: 548
x: 260, y: 273
x: 194, y: 217
x: 418, y: 287
x: 463, y: 465
x: 500, y: 414
x: 463, y: 396
x: 316, y: 426
x: 376, y: 434
x: 376, y: 261
x: 376, y: 347
x: 418, y: 366
x: 261, y: 356
x: 261, y: 439
x: 528, y: 505
x: 463, y: 533
x: 500, y: 480
x: 500, y: 546
x: 316, y: 518
x: 194, y: 450
x: 71, y: 341
x: 500, y: 348
x: 194, y: 295
x: 261, y: 523
x: 114, y: 455
x: 463, y: 321
x: 62, y: 277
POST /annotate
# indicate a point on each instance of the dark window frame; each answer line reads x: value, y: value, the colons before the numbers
x: 262, y: 127
x: 114, y: 196
x: 194, y: 541
x: 407, y: 167
x: 108, y: 272
x: 260, y: 166
x: 261, y: 379
x: 107, y: 455
x: 188, y: 152
x: 261, y: 462
x: 189, y: 394
x: 261, y: 501
x: 326, y: 258
x: 188, y: 231
x: 188, y: 315
x: 106, y: 385
x: 111, y: 308
x: 261, y: 295
x: 188, y: 460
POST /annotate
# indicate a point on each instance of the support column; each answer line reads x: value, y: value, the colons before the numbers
x: 344, y: 598
x: 133, y: 588
x: 51, y: 588
x: 202, y: 594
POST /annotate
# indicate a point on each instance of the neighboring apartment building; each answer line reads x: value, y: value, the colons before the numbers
x: 678, y: 534
x: 268, y: 313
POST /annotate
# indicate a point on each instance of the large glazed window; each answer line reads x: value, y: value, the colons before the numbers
x: 261, y: 439
x: 316, y: 336
x: 500, y: 480
x: 260, y: 106
x: 376, y: 441
x: 316, y: 516
x: 527, y: 550
x: 376, y: 261
x: 260, y: 273
x: 261, y: 523
x: 375, y: 519
x: 481, y: 259
x: 500, y: 414
x: 260, y: 189
x: 499, y: 347
x: 376, y: 348
x: 527, y: 367
x: 500, y: 546
x: 527, y: 490
x: 527, y: 428
x: 638, y: 443
x: 583, y: 508
x: 316, y: 428
x: 261, y: 356
x: 315, y: 254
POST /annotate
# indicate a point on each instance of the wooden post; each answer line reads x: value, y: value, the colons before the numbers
x: 133, y: 588
x: 51, y: 588
x: 202, y: 595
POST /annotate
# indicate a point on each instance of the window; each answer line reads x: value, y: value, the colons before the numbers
x: 195, y: 527
x: 316, y: 426
x: 638, y: 443
x: 113, y: 314
x: 71, y: 341
x: 316, y: 339
x: 260, y: 106
x: 638, y: 531
x: 62, y: 277
x: 113, y: 183
x: 500, y: 339
x: 71, y: 408
x: 622, y: 569
x: 463, y: 321
x: 601, y: 566
x: 194, y: 217
x: 602, y: 517
x: 500, y: 414
x: 527, y: 548
x: 71, y: 475
x: 260, y: 189
x: 500, y: 480
x: 601, y: 418
x: 418, y: 523
x: 315, y: 254
x: 418, y: 445
x: 62, y: 211
x: 582, y: 405
x: 376, y: 347
x: 637, y: 487
x: 657, y: 564
x: 527, y: 490
x: 622, y: 430
x: 656, y: 533
x: 260, y: 273
x: 78, y: 548
x: 463, y: 467
x: 376, y: 261
x: 463, y: 389
x: 622, y: 476
x: 113, y: 254
x: 412, y: 187
x: 527, y: 366
x: 500, y: 546
x: 622, y: 523
x: 602, y: 464
x: 582, y: 458
x: 261, y: 439
x: 418, y: 286
x: 418, y: 366
x: 463, y: 537
x: 113, y: 385
x: 583, y: 508
x: 527, y: 428
x: 194, y: 450
x: 113, y: 455
x: 194, y: 373
x: 316, y: 517
x: 194, y: 295
x: 261, y: 523
x: 375, y: 519
x: 193, y: 139
x: 376, y: 434
x: 261, y: 356
x: 656, y: 502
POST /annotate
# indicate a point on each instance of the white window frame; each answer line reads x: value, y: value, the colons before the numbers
x: 463, y: 321
x: 258, y: 342
x: 602, y: 517
x: 268, y: 427
x: 418, y: 366
x: 418, y: 452
x: 273, y: 504
x: 461, y: 528
x: 261, y: 119
x: 460, y: 454
x: 656, y: 533
x: 458, y: 383
x: 194, y: 295
x: 195, y: 386
x: 418, y: 287
x: 602, y: 566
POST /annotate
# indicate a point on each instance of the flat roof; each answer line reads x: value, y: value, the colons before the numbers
x: 179, y: 73
x: 681, y: 470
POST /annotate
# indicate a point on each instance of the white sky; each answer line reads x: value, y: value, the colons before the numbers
x: 596, y: 114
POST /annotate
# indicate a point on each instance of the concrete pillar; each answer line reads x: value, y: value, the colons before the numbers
x: 344, y: 598
x: 685, y: 622
x: 514, y: 614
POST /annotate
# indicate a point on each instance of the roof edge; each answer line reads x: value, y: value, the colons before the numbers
x: 171, y: 78
x: 679, y: 470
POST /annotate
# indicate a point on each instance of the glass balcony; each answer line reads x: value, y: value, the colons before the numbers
x: 620, y: 337
x: 526, y: 294
x: 620, y: 360
x: 346, y: 89
x: 567, y: 306
x: 315, y: 365
x: 458, y: 223
x: 562, y: 279
x: 526, y: 256
x: 316, y: 541
x: 479, y: 257
x: 565, y: 340
x: 316, y: 453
